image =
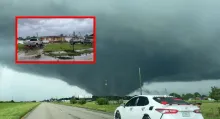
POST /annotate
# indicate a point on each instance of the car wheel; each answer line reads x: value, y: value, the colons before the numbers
x: 146, y: 117
x: 117, y: 115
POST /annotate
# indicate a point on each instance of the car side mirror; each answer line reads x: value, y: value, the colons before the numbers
x: 123, y: 105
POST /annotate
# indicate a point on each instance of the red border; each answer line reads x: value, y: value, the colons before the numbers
x: 55, y: 62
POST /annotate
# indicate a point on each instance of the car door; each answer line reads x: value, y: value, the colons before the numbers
x: 141, y: 108
x: 128, y: 109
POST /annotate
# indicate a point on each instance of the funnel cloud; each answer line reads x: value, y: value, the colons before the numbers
x: 172, y: 40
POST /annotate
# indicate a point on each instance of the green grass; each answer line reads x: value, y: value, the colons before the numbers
x: 15, y: 110
x: 21, y: 47
x: 64, y: 47
x: 209, y: 110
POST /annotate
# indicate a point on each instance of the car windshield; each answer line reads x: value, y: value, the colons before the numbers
x: 170, y: 100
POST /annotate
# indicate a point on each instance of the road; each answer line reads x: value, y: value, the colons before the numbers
x: 56, y: 111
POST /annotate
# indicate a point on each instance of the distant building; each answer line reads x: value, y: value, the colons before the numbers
x: 210, y: 99
x: 52, y: 38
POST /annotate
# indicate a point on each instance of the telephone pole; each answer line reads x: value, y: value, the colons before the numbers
x: 140, y: 80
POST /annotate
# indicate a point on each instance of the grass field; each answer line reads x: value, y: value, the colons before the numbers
x: 21, y: 47
x: 209, y: 110
x: 15, y: 110
x: 49, y: 49
x: 64, y: 47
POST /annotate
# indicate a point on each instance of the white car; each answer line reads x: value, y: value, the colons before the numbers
x: 33, y: 42
x: 157, y: 107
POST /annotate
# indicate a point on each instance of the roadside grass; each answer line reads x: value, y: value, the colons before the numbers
x: 15, y: 110
x: 209, y: 110
x: 64, y: 47
x: 21, y: 47
x: 92, y: 105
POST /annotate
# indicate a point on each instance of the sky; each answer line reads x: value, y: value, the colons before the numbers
x: 54, y: 26
x: 18, y: 86
x: 174, y: 42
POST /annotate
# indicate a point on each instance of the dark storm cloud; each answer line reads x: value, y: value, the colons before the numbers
x: 173, y: 40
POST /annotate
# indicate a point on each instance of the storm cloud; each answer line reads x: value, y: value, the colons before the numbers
x: 172, y: 40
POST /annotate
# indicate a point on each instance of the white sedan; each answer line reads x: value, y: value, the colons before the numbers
x: 157, y: 107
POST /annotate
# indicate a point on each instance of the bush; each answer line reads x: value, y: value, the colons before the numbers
x: 120, y: 101
x: 73, y: 101
x: 82, y: 101
x: 102, y: 101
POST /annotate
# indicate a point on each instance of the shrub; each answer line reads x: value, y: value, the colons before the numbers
x: 102, y: 101
x: 73, y: 101
x: 82, y: 101
x: 120, y: 101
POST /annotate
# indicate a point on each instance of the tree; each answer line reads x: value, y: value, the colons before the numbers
x: 82, y: 101
x: 20, y: 38
x: 175, y: 95
x: 28, y: 37
x: 187, y: 96
x: 215, y: 93
x: 102, y: 101
x: 73, y: 101
x: 196, y: 94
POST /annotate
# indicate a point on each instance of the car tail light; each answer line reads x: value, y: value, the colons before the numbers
x: 164, y: 102
x: 177, y: 99
x: 167, y: 111
x: 197, y: 111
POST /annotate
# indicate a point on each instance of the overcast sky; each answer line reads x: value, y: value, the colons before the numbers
x: 46, y: 27
x: 18, y: 86
x: 175, y: 42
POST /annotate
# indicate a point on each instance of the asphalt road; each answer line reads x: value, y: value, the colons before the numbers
x: 56, y: 111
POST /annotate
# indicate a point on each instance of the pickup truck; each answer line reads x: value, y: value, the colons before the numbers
x: 33, y: 42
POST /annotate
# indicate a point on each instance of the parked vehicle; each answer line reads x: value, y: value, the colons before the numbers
x: 33, y: 42
x: 157, y: 107
x: 88, y: 41
x: 74, y: 40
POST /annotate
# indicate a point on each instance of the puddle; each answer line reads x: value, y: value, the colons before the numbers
x: 40, y: 56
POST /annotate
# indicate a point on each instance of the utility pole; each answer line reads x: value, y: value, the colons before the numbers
x: 140, y: 80
x: 106, y: 84
x: 166, y: 93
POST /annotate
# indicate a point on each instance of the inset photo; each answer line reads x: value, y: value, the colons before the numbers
x: 55, y: 40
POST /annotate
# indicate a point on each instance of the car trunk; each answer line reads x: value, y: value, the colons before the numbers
x: 177, y: 108
x: 184, y: 111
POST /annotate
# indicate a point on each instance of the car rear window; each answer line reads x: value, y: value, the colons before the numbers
x: 170, y: 100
